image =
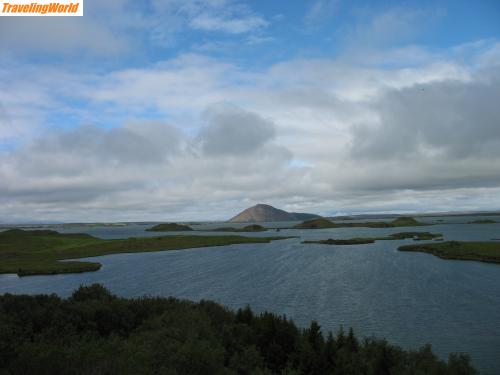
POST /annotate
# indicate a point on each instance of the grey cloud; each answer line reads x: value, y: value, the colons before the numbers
x: 232, y: 131
x: 130, y: 144
x: 84, y: 163
x: 439, y: 135
x: 449, y: 119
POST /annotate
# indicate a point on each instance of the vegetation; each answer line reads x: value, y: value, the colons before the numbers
x: 95, y: 332
x: 417, y: 236
x: 483, y: 222
x: 40, y: 251
x: 480, y: 251
x: 170, y: 227
x: 323, y: 223
x: 248, y: 228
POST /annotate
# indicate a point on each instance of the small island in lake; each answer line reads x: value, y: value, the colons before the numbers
x: 479, y: 251
x: 417, y: 236
x: 248, y: 228
x: 169, y: 227
x: 37, y: 252
x: 323, y: 223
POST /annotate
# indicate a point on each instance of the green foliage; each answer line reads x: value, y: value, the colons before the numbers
x: 39, y: 251
x: 95, y: 332
x: 480, y: 251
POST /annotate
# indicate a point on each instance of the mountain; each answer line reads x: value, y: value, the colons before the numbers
x: 264, y: 212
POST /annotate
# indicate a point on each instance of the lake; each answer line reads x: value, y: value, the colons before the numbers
x: 408, y: 298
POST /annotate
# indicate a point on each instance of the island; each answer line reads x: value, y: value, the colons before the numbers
x: 248, y: 228
x: 169, y: 227
x: 483, y: 222
x: 36, y: 252
x: 417, y: 236
x: 323, y: 223
x: 478, y: 251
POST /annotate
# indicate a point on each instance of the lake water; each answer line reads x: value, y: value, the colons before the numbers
x: 408, y: 298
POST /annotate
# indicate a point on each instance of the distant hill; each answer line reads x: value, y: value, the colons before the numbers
x: 265, y: 212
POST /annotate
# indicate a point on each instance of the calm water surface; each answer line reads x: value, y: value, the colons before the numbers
x: 408, y: 298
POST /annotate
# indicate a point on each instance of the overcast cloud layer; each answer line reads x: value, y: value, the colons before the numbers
x: 193, y: 131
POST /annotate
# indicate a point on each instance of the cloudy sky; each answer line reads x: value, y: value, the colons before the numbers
x: 197, y: 109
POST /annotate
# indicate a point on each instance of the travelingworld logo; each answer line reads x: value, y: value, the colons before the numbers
x: 42, y: 8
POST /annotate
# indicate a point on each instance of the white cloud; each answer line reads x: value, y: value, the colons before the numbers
x: 319, y: 12
x: 233, y: 26
x: 305, y: 134
x: 119, y: 27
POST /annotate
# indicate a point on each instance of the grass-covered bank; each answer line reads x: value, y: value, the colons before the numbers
x: 416, y: 236
x: 480, y: 251
x: 40, y: 251
x: 94, y: 332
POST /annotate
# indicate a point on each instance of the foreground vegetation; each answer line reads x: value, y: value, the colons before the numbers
x: 40, y: 251
x: 480, y: 251
x: 417, y: 236
x: 323, y: 223
x: 95, y: 332
x: 169, y: 227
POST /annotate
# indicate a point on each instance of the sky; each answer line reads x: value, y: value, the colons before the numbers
x: 195, y: 110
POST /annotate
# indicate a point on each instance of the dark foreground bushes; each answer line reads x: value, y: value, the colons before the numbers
x: 95, y: 332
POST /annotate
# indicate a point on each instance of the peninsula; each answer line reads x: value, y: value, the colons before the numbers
x: 38, y: 252
x: 479, y: 251
x: 416, y: 236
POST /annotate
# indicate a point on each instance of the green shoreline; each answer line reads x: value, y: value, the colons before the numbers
x: 488, y: 252
x: 40, y: 252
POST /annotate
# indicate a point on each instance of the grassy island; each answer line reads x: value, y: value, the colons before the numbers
x: 483, y: 222
x: 248, y: 228
x: 40, y: 251
x: 169, y: 227
x: 417, y: 236
x: 95, y: 332
x: 480, y: 251
x: 323, y: 223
